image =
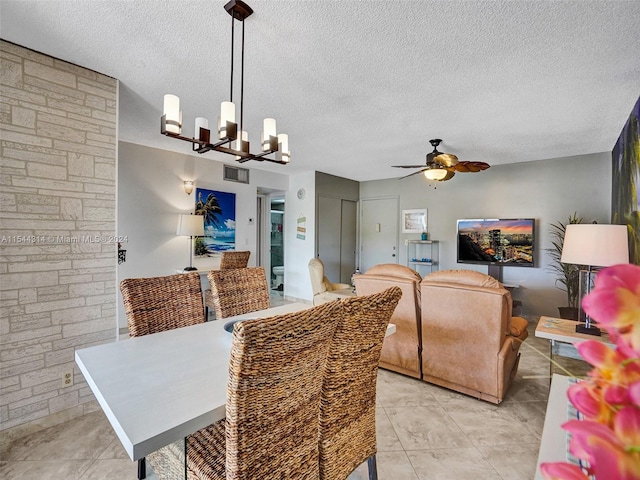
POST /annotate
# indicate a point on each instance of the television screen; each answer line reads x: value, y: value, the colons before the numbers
x: 506, y: 242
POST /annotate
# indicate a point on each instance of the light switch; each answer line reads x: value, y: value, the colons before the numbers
x: 377, y: 227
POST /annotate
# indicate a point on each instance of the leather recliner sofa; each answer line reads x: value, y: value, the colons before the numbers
x: 456, y: 323
x: 470, y: 341
x: 400, y: 351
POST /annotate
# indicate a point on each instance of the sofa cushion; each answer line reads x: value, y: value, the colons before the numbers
x: 464, y: 277
x: 394, y: 270
x: 518, y: 326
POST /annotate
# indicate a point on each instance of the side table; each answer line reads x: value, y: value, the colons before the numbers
x: 563, y: 336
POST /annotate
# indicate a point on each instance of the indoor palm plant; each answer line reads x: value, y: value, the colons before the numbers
x: 567, y: 275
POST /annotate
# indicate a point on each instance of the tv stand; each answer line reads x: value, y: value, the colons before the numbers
x: 495, y: 271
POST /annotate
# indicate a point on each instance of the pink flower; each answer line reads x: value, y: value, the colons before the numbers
x: 609, y: 436
x: 562, y: 471
x: 615, y: 301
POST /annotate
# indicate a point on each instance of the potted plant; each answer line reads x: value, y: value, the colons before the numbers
x: 567, y: 275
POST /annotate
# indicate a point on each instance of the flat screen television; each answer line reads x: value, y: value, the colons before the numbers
x: 504, y: 242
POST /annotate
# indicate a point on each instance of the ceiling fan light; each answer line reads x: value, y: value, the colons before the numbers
x: 435, y: 174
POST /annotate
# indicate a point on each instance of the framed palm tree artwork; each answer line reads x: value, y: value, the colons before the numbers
x: 219, y: 212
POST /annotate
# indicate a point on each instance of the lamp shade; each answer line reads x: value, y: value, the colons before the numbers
x: 595, y: 244
x: 190, y: 225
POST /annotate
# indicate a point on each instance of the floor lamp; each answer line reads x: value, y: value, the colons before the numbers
x: 593, y: 245
x: 190, y: 226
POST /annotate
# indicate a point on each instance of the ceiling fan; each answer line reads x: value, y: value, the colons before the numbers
x: 441, y: 167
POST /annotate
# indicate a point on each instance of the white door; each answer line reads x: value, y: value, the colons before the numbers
x: 378, y: 232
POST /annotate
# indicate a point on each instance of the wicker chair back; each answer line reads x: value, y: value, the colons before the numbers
x: 238, y: 291
x: 157, y: 304
x: 347, y: 430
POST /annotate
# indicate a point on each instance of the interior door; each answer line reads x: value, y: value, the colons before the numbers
x: 348, y: 240
x: 378, y: 232
x: 329, y: 221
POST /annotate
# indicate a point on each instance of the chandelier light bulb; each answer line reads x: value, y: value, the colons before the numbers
x: 172, y: 113
x: 240, y: 143
x: 283, y: 147
x: 268, y: 130
x: 227, y: 114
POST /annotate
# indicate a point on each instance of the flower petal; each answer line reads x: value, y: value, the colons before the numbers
x: 627, y: 426
x: 562, y: 471
x: 596, y: 353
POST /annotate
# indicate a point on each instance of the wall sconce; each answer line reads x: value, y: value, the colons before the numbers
x: 122, y: 254
x: 188, y: 186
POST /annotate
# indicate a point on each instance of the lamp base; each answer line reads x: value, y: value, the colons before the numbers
x: 587, y: 330
x: 189, y: 269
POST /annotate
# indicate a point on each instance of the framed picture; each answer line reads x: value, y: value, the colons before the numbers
x: 414, y: 221
x: 219, y: 212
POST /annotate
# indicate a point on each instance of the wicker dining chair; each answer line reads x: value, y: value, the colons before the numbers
x: 228, y: 261
x: 273, y: 400
x: 156, y: 304
x: 238, y: 291
x: 347, y: 430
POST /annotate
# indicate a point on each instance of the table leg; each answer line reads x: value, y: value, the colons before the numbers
x: 142, y: 469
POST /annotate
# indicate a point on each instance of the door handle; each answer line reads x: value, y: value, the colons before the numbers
x: 393, y: 254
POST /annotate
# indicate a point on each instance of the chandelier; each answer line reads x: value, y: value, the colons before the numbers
x: 230, y: 137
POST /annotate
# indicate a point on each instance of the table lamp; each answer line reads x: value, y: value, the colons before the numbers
x: 593, y: 245
x: 190, y: 226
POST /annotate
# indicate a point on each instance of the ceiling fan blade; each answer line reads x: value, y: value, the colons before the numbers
x: 446, y: 159
x: 471, y: 166
x: 414, y: 173
x: 409, y: 166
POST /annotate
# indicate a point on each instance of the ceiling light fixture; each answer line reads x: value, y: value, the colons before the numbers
x: 230, y: 139
x: 435, y: 173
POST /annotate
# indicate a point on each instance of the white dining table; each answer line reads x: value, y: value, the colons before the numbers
x: 157, y: 389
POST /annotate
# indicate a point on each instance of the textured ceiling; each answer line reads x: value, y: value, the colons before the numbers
x: 362, y: 85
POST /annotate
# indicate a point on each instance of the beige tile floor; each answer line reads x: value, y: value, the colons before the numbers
x: 423, y: 431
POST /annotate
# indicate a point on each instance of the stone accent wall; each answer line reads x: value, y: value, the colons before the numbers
x: 57, y: 231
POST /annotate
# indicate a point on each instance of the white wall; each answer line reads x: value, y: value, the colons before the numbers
x: 547, y: 190
x: 151, y: 195
x: 297, y: 254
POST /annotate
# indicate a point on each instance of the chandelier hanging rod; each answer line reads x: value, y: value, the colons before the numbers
x: 236, y: 140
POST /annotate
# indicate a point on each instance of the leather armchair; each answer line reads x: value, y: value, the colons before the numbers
x: 400, y: 351
x: 324, y: 290
x: 470, y: 341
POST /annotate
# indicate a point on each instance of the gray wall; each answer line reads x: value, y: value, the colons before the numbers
x: 547, y: 190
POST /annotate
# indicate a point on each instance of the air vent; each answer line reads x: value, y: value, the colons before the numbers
x: 236, y: 174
